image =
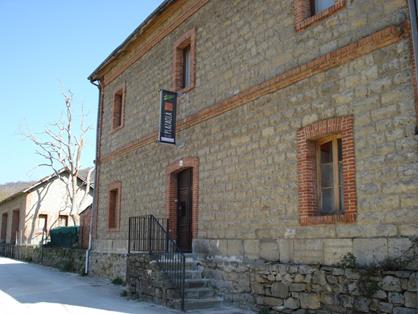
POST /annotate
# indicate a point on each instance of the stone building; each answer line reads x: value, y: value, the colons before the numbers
x: 28, y: 215
x: 296, y: 136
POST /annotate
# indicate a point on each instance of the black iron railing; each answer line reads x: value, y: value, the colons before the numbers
x: 148, y: 234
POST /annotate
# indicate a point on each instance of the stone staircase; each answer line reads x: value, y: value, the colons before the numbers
x: 198, y: 291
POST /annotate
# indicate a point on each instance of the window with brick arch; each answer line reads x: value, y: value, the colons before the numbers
x: 184, y: 58
x: 326, y: 172
x: 308, y: 12
x: 118, y: 110
x: 114, y: 205
x: 318, y: 6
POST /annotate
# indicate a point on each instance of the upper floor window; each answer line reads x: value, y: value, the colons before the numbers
x: 184, y: 62
x: 118, y: 109
x: 320, y: 5
x: 186, y: 68
x: 308, y: 12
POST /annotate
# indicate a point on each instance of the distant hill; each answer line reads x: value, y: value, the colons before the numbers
x: 10, y: 188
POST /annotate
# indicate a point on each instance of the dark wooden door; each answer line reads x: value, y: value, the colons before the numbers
x: 15, y: 225
x: 184, y: 210
x: 4, y: 226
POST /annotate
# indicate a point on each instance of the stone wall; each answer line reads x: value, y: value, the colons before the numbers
x: 108, y: 265
x: 65, y: 259
x: 146, y: 282
x: 293, y: 288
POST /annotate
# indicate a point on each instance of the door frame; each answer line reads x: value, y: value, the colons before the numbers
x: 171, y: 193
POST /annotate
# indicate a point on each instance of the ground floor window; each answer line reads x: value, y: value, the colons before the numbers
x: 326, y: 172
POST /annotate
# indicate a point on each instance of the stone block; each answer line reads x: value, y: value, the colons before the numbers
x: 390, y: 283
x: 396, y: 298
x: 335, y: 249
x: 308, y: 251
x: 280, y: 290
x: 201, y: 247
x: 251, y: 249
x: 270, y: 301
x: 297, y: 287
x: 408, y: 230
x: 398, y: 246
x: 364, y: 231
x: 286, y: 250
x: 347, y: 301
x: 385, y: 307
x: 361, y: 304
x: 291, y: 303
x: 370, y: 251
x: 410, y: 299
x: 235, y: 248
x: 403, y: 310
x: 310, y: 301
x: 269, y: 250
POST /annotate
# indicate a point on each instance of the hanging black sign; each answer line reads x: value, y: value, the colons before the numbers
x: 168, y: 103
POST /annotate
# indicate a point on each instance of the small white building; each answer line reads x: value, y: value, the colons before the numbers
x: 29, y: 214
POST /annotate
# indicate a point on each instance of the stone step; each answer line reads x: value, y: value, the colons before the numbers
x: 194, y: 304
x: 199, y: 293
x: 196, y: 283
x: 188, y: 265
x: 189, y: 273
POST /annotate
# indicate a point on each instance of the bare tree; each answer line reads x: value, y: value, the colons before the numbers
x: 60, y: 147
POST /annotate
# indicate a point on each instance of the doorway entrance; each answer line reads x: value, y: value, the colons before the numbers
x: 184, y: 209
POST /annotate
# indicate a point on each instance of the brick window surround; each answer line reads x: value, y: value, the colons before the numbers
x: 188, y: 39
x: 171, y: 196
x: 304, y: 16
x: 307, y: 174
x: 118, y: 109
x: 114, y: 206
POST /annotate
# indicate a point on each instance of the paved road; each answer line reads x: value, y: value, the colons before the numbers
x: 35, y: 289
x: 30, y: 288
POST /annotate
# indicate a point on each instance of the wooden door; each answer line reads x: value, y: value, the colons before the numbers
x: 15, y: 225
x: 4, y: 226
x: 184, y: 210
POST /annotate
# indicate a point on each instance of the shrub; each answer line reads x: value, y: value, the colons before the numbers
x: 117, y: 281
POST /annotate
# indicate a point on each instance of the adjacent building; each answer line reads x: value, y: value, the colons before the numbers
x: 296, y: 134
x: 28, y: 215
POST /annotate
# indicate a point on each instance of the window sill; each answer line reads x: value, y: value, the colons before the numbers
x: 346, y: 218
x: 114, y: 130
x: 185, y: 90
x: 300, y: 26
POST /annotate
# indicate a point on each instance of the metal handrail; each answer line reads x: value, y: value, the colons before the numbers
x: 148, y: 234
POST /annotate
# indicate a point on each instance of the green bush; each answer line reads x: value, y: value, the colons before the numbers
x: 117, y: 281
x: 64, y: 237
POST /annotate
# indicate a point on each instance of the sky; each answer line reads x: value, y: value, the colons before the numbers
x: 46, y: 48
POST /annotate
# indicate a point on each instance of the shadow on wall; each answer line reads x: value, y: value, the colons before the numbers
x: 32, y: 214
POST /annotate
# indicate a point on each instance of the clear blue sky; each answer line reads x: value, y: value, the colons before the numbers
x: 47, y: 44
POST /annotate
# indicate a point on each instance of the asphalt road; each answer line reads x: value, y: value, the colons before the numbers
x: 30, y: 288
